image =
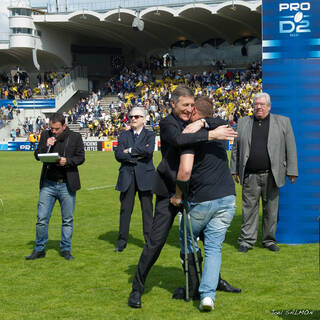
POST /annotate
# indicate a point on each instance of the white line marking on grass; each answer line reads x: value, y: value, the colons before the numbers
x: 102, y: 187
x: 2, y: 205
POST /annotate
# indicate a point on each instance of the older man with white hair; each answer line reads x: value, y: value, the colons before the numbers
x: 134, y: 152
x: 263, y: 155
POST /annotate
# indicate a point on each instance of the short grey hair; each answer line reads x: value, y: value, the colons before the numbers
x: 138, y: 111
x: 181, y: 91
x: 262, y: 95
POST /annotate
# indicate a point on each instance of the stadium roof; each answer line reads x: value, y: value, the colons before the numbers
x: 151, y: 29
x: 163, y: 26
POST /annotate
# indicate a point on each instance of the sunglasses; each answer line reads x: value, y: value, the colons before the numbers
x: 136, y: 117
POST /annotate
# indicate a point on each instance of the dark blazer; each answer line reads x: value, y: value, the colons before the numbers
x: 70, y: 146
x: 139, y: 160
x: 281, y: 148
x: 171, y: 140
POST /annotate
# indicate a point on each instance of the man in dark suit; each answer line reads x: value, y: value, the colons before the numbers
x: 262, y: 156
x: 182, y: 102
x: 134, y: 152
x: 59, y: 181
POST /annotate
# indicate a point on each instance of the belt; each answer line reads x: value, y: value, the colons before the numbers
x: 259, y: 171
x: 58, y: 180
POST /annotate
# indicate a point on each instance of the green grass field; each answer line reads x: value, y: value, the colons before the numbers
x: 97, y: 283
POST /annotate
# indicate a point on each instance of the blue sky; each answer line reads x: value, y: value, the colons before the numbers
x: 39, y: 2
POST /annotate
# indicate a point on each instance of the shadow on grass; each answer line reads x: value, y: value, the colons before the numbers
x: 234, y: 231
x: 51, y: 244
x: 173, y: 237
x: 168, y: 278
x: 112, y: 237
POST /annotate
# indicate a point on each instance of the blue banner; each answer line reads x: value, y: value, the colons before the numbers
x: 4, y: 147
x: 291, y: 29
x: 291, y: 75
x: 30, y: 104
x: 20, y: 146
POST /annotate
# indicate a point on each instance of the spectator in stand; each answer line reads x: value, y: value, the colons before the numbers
x: 13, y: 134
x: 18, y: 133
x: 32, y: 140
x: 30, y: 125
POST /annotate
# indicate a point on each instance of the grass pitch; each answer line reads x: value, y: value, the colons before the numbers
x: 97, y: 283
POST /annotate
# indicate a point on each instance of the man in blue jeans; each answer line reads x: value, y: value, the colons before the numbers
x: 59, y: 181
x: 211, y: 203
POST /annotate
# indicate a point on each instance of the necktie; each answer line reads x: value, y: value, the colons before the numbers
x: 135, y: 137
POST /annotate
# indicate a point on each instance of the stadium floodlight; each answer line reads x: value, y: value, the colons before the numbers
x: 233, y: 6
x: 119, y: 18
x: 84, y: 17
x: 138, y: 24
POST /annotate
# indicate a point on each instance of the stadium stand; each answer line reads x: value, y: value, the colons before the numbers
x: 103, y: 114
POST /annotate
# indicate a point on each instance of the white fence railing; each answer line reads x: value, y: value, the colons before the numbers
x: 77, y: 72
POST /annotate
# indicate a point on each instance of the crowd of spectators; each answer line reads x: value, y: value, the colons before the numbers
x: 231, y: 90
x: 30, y: 126
x: 16, y: 84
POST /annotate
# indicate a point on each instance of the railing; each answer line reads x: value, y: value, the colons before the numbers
x: 77, y: 72
x: 104, y: 5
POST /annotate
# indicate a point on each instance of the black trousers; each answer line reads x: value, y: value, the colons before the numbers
x: 127, y: 202
x: 161, y: 225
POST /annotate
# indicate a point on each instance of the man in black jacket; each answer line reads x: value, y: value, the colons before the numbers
x: 134, y: 152
x: 164, y: 185
x: 60, y: 181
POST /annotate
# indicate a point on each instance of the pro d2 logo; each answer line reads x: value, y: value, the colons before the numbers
x: 296, y: 20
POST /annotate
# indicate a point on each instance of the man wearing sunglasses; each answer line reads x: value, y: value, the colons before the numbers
x: 134, y: 152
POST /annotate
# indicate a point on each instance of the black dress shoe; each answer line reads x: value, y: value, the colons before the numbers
x: 118, y: 249
x: 179, y: 293
x: 223, y: 285
x: 134, y: 299
x: 243, y: 249
x: 36, y: 255
x: 67, y: 255
x: 273, y: 247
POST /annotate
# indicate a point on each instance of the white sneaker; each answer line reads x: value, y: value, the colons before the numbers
x: 206, y: 304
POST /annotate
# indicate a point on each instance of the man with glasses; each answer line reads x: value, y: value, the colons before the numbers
x: 134, y: 152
